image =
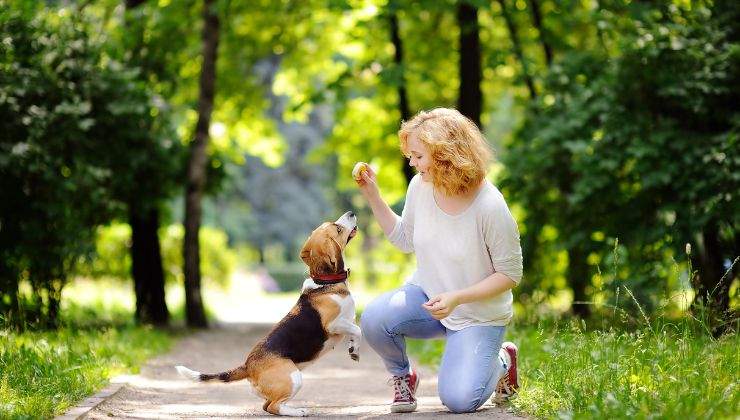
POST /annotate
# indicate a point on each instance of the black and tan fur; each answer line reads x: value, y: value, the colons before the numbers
x: 323, y: 315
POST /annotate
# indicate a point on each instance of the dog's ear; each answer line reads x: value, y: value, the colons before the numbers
x: 306, y: 251
x: 322, y: 255
x: 332, y: 256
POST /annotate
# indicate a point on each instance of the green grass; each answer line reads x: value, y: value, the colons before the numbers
x: 668, y: 371
x: 43, y: 373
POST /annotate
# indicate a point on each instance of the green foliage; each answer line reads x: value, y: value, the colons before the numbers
x: 288, y: 276
x: 112, y: 260
x: 217, y: 260
x: 44, y: 373
x: 375, y: 263
x: 641, y: 147
x: 111, y: 257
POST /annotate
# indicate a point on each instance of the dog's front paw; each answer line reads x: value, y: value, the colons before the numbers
x: 354, y: 349
x: 354, y: 353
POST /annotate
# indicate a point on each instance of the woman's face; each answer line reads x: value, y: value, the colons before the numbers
x: 419, y: 157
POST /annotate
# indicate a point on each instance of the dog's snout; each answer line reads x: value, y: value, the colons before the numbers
x: 348, y: 220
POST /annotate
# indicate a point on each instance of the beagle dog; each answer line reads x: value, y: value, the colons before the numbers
x: 323, y: 315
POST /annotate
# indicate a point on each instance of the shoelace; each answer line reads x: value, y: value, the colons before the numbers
x: 504, y: 386
x: 401, y: 387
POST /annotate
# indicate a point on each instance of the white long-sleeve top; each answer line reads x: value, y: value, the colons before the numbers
x: 454, y: 252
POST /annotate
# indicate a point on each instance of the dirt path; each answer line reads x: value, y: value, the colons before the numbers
x: 335, y: 386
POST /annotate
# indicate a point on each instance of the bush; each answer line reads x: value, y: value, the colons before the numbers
x: 288, y: 276
x: 69, y: 115
x: 217, y: 260
x: 112, y: 259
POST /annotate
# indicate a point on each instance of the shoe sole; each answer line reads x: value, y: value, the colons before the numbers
x: 407, y: 408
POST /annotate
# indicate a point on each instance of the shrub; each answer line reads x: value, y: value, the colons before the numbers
x: 288, y: 276
x: 111, y: 257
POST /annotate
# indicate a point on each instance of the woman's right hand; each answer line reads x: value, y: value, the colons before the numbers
x: 368, y: 183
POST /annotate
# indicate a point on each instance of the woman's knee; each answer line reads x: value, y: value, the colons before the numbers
x: 458, y: 394
x: 460, y: 401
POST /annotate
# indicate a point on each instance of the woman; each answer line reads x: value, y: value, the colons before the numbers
x: 468, y: 259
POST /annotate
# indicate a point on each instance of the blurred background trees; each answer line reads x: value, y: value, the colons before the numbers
x: 615, y: 124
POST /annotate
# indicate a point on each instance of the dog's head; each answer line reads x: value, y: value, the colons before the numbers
x: 322, y: 252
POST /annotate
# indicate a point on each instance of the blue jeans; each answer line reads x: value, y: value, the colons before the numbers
x: 471, y: 365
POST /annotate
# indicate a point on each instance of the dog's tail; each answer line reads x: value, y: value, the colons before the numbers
x: 235, y: 374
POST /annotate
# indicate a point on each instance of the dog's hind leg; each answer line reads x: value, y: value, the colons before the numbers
x: 279, y: 407
x: 278, y: 385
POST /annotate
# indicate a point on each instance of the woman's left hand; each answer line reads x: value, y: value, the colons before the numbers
x: 441, y: 305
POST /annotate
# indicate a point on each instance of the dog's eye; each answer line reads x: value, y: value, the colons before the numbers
x: 339, y: 229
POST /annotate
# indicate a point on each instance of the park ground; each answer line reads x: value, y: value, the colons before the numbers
x: 648, y: 368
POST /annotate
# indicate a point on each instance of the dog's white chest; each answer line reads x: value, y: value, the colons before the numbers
x: 346, y: 314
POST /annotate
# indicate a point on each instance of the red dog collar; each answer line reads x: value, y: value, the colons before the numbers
x: 331, y: 278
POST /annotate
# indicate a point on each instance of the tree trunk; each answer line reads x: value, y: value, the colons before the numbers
x: 579, y: 279
x: 712, y: 290
x: 146, y: 255
x: 470, y: 101
x: 194, y: 312
x: 544, y: 35
x: 54, y: 290
x: 518, y: 52
x: 261, y: 252
x: 146, y: 268
x: 403, y: 101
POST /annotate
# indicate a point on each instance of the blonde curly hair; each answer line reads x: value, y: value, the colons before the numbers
x: 460, y: 154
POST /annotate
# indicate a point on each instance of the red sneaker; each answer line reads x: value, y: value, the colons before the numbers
x: 507, y: 386
x: 405, y: 390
